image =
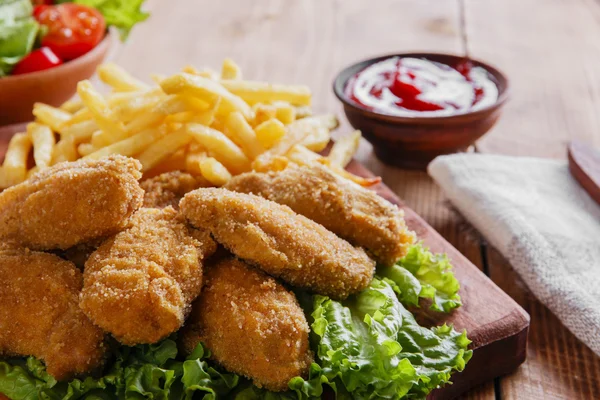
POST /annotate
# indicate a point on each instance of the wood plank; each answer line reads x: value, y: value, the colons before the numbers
x: 558, y: 365
x: 550, y: 52
x: 496, y: 324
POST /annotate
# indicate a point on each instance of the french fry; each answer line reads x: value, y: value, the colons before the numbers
x: 119, y: 79
x: 208, y: 167
x: 205, y: 72
x: 318, y: 139
x: 80, y: 132
x: 221, y: 147
x: 269, y: 132
x: 118, y: 98
x: 271, y: 164
x: 33, y: 171
x: 263, y: 112
x: 51, y: 116
x: 262, y: 92
x: 230, y: 70
x: 64, y: 150
x: 14, y: 168
x: 127, y: 110
x: 343, y: 149
x: 285, y: 112
x: 295, y: 135
x: 85, y: 149
x: 303, y: 112
x: 80, y: 116
x: 317, y: 130
x: 214, y: 171
x: 238, y: 130
x: 174, y: 162
x: 157, y: 78
x: 113, y: 130
x: 171, y: 105
x: 130, y: 146
x: 208, y: 91
x: 328, y: 121
x: 303, y: 156
x: 72, y: 106
x: 163, y: 148
x: 43, y: 141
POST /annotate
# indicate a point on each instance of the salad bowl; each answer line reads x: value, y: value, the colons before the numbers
x: 52, y: 86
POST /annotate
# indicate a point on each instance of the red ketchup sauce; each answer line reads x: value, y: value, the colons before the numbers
x: 414, y: 87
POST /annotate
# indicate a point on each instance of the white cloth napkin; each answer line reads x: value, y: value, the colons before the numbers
x: 536, y: 214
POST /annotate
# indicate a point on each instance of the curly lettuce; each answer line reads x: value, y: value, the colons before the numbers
x: 145, y: 371
x: 372, y: 347
x: 18, y: 33
x: 422, y: 274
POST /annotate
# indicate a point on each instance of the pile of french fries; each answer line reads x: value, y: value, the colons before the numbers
x: 212, y: 125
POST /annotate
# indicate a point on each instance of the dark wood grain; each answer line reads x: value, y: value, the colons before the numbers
x: 584, y: 164
x: 495, y: 323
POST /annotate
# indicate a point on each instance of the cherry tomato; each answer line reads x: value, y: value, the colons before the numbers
x: 73, y: 29
x: 37, y: 60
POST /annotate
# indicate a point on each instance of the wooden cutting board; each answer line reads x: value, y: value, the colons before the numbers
x: 495, y: 323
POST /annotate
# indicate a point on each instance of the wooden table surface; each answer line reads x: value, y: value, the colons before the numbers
x: 549, y: 50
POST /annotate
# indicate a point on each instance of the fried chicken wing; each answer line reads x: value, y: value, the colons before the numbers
x: 168, y: 188
x: 40, y: 314
x: 71, y: 203
x: 251, y: 324
x: 140, y: 283
x: 352, y: 212
x: 279, y: 241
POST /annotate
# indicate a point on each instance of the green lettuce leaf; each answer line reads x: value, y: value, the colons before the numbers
x: 122, y: 14
x: 372, y: 347
x: 145, y: 371
x: 422, y: 274
x: 18, y: 32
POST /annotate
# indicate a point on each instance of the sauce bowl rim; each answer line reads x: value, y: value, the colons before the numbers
x: 342, y: 78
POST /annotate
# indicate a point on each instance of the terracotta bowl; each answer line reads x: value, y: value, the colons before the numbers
x: 412, y: 142
x: 52, y: 86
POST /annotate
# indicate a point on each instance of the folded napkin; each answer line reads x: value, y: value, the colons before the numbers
x: 536, y: 214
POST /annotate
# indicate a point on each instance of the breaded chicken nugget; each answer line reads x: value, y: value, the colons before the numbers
x: 40, y: 314
x: 140, y: 283
x: 354, y: 213
x: 279, y: 241
x: 71, y: 203
x: 168, y: 188
x: 251, y: 324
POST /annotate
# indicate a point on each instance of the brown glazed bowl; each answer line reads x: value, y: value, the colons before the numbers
x: 52, y: 86
x: 412, y: 142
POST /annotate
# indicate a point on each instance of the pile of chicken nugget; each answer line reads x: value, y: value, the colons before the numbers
x: 89, y: 254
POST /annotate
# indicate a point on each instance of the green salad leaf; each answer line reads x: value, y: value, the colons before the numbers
x: 372, y: 347
x: 122, y: 14
x: 18, y: 32
x: 422, y: 274
x: 145, y: 371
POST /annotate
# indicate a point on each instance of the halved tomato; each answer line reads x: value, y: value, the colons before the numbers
x: 73, y: 29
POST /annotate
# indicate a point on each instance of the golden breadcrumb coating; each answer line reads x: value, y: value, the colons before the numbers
x: 71, y: 203
x: 354, y: 213
x: 40, y: 314
x: 140, y: 283
x: 168, y: 188
x: 280, y: 242
x: 251, y: 324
